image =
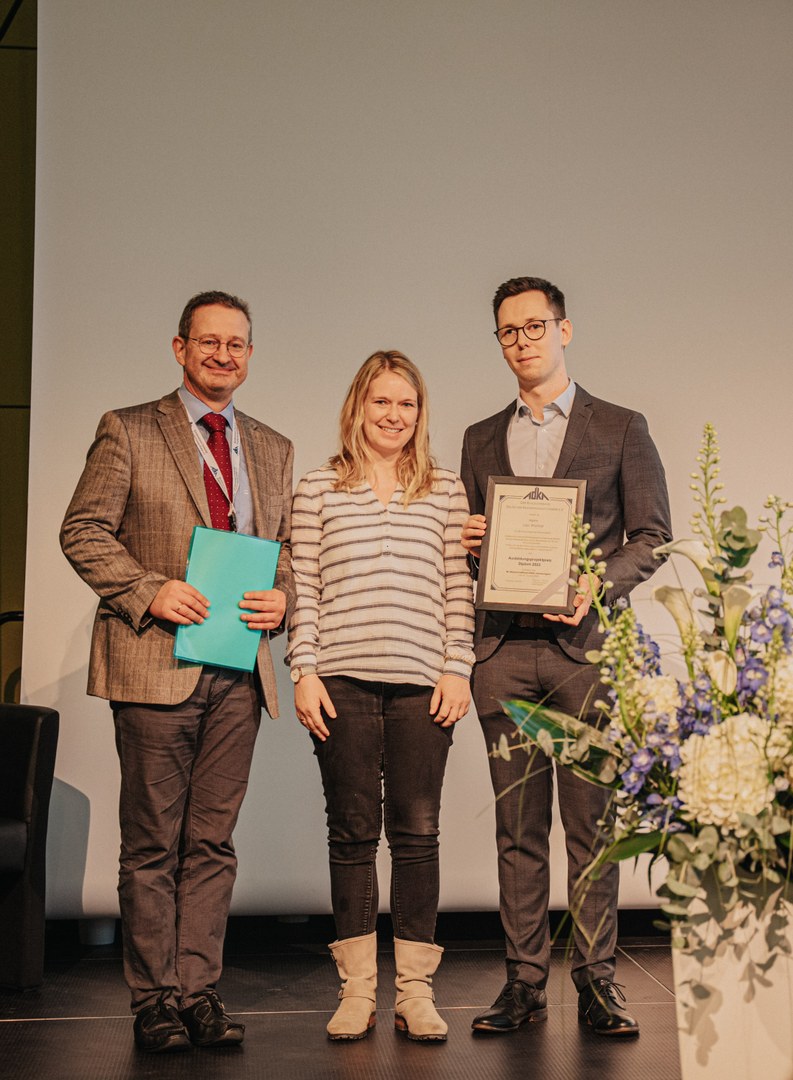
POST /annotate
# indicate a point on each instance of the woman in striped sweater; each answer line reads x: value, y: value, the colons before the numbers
x: 380, y: 649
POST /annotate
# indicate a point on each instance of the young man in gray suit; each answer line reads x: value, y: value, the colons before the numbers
x: 555, y: 428
x: 185, y: 732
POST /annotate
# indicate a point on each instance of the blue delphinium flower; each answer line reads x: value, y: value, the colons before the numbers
x: 761, y: 632
x: 752, y: 676
x: 632, y: 781
x: 703, y: 687
x: 643, y: 760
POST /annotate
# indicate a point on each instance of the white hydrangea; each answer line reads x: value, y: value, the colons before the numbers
x: 783, y: 689
x: 657, y: 695
x: 726, y: 772
x: 780, y: 752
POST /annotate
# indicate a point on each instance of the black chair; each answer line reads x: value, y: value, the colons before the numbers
x: 28, y: 741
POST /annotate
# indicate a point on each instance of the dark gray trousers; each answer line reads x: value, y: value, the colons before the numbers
x: 537, y: 670
x: 184, y: 772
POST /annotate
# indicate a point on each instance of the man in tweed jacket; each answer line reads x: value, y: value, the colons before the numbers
x: 185, y: 732
x: 555, y: 428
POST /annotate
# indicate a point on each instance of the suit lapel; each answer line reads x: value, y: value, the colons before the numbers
x: 254, y: 447
x: 175, y: 427
x: 580, y: 415
x: 503, y: 467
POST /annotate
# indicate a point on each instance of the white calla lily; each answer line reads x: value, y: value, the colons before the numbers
x: 722, y: 670
x: 735, y: 599
x: 680, y: 604
x: 699, y: 555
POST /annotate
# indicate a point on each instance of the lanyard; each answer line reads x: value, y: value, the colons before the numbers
x: 214, y: 468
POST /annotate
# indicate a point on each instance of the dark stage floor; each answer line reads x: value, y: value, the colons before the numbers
x: 280, y: 980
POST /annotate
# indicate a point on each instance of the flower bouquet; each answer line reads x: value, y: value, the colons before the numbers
x: 700, y: 763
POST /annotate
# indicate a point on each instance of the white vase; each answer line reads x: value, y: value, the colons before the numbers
x: 740, y: 1029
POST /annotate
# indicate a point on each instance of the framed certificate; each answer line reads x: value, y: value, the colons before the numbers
x: 527, y: 555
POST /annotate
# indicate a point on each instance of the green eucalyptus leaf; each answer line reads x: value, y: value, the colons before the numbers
x: 702, y: 861
x: 683, y: 888
x: 708, y: 838
x: 679, y: 847
x: 672, y: 908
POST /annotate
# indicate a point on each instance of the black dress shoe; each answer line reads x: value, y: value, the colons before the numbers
x: 517, y: 1003
x: 158, y: 1029
x: 600, y: 1005
x: 208, y: 1024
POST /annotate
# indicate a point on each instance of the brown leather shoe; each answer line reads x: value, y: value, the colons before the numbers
x: 517, y: 1003
x: 600, y: 1005
x: 208, y: 1024
x: 158, y: 1029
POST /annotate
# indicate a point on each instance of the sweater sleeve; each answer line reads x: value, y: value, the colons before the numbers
x: 303, y: 648
x: 458, y: 603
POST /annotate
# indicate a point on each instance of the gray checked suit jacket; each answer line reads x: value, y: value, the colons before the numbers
x: 627, y: 504
x: 127, y: 531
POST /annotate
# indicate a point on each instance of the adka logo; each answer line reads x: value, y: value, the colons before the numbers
x: 536, y: 494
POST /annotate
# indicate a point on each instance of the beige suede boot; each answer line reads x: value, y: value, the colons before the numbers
x: 356, y: 959
x: 414, y: 1012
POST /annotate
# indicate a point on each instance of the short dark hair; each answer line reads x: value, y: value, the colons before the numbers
x: 517, y: 285
x: 204, y: 299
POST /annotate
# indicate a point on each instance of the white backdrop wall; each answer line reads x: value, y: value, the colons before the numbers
x: 366, y: 172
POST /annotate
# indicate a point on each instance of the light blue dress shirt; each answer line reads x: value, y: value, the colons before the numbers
x: 243, y: 503
x: 534, y: 445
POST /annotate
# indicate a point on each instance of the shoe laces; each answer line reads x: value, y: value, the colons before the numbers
x: 604, y: 990
x: 506, y: 993
x: 215, y: 1003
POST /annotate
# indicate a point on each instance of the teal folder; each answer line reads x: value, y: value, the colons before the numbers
x: 223, y: 566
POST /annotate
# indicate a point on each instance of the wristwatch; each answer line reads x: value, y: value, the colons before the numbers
x: 296, y: 674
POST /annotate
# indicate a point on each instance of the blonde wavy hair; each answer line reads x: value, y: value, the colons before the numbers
x: 416, y: 466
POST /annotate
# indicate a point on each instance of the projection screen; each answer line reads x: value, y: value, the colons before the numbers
x: 366, y: 173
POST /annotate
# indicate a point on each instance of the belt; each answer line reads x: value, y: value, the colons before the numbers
x: 530, y: 624
x: 529, y: 620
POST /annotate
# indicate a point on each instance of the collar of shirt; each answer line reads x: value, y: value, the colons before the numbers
x: 533, y: 446
x: 561, y: 404
x: 196, y: 409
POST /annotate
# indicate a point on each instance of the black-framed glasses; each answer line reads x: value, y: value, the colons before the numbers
x: 236, y: 348
x: 534, y: 329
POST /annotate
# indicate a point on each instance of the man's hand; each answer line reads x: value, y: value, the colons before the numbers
x: 450, y: 700
x: 267, y: 608
x: 473, y: 531
x: 582, y: 603
x: 311, y: 698
x: 180, y: 603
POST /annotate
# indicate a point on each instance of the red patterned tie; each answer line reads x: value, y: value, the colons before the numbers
x: 218, y: 444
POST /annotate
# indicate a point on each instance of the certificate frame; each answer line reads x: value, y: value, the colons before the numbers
x: 524, y: 510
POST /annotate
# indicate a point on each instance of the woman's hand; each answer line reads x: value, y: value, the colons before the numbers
x: 450, y: 700
x: 311, y: 698
x: 473, y: 531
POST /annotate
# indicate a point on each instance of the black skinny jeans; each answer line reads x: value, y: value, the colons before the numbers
x: 383, y: 751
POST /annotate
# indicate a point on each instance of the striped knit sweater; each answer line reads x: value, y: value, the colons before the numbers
x: 383, y: 593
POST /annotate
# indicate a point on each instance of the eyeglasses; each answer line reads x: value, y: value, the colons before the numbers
x: 533, y: 330
x: 209, y: 345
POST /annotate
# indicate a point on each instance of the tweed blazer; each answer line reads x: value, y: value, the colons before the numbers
x: 627, y: 504
x: 127, y: 531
